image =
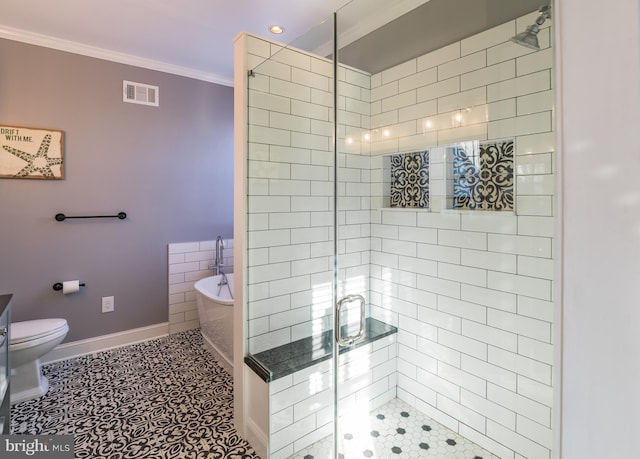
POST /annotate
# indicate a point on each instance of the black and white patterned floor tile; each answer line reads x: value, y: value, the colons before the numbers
x: 396, y: 430
x: 164, y: 398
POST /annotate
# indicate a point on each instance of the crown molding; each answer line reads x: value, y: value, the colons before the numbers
x: 46, y: 41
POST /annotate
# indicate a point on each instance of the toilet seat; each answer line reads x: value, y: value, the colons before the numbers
x: 30, y: 332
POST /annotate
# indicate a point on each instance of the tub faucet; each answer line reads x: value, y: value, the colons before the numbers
x: 219, y: 263
x: 224, y: 281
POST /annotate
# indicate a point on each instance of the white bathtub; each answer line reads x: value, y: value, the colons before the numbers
x: 215, y: 310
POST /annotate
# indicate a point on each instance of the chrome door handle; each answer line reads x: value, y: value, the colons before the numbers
x: 348, y: 340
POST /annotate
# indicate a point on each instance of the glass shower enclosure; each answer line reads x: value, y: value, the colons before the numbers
x: 396, y: 211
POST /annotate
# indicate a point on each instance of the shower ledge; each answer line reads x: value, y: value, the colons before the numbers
x: 284, y: 360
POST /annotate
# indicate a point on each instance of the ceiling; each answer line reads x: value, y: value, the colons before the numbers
x: 195, y: 37
x: 430, y: 26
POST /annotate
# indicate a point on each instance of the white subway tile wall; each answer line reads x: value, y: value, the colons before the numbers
x: 291, y: 192
x: 493, y: 309
x: 471, y: 292
x: 188, y: 262
x: 301, y: 404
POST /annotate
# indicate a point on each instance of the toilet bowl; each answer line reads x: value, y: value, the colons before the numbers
x: 28, y: 342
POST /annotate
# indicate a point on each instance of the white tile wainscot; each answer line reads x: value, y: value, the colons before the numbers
x: 188, y: 263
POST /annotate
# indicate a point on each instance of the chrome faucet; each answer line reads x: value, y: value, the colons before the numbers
x: 219, y: 254
x: 218, y: 263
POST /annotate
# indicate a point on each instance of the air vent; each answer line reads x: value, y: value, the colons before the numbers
x: 138, y: 93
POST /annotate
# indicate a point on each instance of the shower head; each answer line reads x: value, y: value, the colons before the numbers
x: 529, y: 37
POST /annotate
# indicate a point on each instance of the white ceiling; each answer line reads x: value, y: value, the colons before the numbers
x: 188, y: 37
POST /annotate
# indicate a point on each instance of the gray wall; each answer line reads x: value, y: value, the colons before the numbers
x: 170, y: 168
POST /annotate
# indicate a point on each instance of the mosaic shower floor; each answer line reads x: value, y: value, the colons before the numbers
x: 396, y: 430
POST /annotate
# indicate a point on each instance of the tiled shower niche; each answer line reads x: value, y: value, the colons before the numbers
x: 409, y: 185
x: 480, y: 176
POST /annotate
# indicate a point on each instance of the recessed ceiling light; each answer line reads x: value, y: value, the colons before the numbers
x: 276, y: 29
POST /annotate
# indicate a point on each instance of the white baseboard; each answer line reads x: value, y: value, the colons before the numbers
x: 72, y: 349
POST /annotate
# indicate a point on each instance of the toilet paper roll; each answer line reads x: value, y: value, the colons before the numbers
x: 71, y: 286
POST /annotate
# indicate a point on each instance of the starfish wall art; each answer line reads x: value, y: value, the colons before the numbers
x: 31, y: 153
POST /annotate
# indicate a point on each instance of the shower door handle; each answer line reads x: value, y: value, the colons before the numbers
x: 348, y: 340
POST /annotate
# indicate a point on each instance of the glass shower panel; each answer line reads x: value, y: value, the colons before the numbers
x: 290, y: 243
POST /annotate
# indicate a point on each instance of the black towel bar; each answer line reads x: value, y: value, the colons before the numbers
x: 63, y: 217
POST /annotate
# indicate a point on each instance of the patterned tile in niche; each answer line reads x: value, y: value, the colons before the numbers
x: 410, y: 179
x: 483, y: 176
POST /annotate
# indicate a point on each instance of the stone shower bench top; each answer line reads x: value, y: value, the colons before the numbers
x: 284, y: 360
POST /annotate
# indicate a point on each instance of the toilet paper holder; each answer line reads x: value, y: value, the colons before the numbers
x: 58, y: 286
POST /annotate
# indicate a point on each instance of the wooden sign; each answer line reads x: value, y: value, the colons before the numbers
x: 31, y: 153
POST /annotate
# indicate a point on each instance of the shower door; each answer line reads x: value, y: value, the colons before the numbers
x: 308, y: 248
x: 364, y: 363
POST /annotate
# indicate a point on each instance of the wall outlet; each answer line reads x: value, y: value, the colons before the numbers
x: 107, y: 303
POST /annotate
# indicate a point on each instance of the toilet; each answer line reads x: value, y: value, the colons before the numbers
x: 28, y: 342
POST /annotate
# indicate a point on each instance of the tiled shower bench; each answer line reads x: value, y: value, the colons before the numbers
x: 300, y: 392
